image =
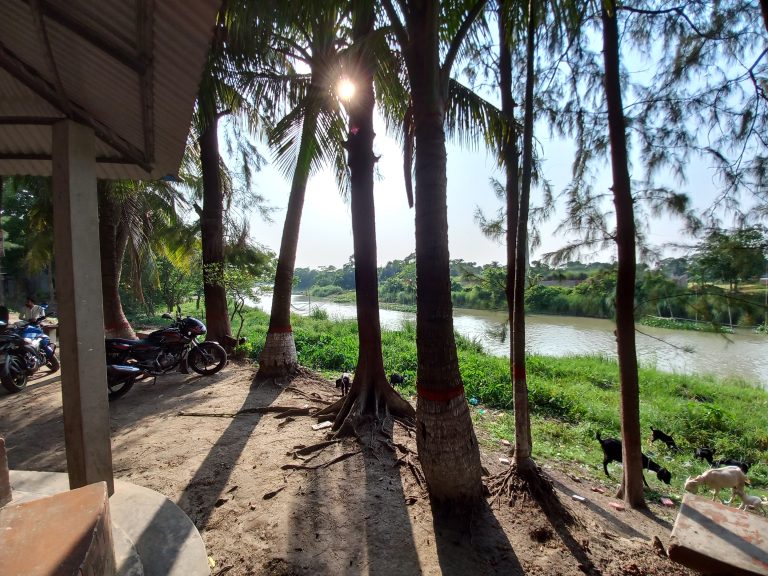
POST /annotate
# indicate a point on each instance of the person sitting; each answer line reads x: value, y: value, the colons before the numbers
x: 31, y: 311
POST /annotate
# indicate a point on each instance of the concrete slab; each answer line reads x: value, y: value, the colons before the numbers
x: 164, y: 538
x: 719, y: 540
x: 69, y: 533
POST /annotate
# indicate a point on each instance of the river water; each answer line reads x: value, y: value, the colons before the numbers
x: 743, y: 354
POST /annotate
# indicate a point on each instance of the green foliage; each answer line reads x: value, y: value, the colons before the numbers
x: 731, y: 257
x: 325, y: 291
x: 547, y: 299
x: 676, y: 324
x: 318, y: 313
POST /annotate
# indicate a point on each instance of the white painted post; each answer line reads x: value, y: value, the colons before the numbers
x: 81, y: 318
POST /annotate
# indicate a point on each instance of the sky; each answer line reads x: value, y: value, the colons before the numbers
x: 326, y: 231
x: 326, y: 228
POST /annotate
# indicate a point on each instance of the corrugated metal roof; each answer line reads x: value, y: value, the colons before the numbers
x: 97, y: 65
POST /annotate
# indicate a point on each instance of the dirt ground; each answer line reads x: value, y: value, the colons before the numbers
x: 365, y: 514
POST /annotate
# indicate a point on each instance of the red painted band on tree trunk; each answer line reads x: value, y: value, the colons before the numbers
x: 281, y: 329
x: 518, y: 372
x: 440, y: 395
x: 118, y: 325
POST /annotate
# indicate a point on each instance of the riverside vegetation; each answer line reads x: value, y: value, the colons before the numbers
x: 576, y: 289
x: 571, y: 399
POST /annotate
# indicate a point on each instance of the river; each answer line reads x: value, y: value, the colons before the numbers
x: 743, y: 354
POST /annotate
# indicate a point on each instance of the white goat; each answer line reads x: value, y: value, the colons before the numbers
x: 718, y: 478
x: 749, y: 501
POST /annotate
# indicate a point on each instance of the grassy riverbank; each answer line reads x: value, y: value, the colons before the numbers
x: 571, y: 398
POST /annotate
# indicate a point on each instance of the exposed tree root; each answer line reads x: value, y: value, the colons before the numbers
x: 371, y: 400
x: 312, y: 396
x: 305, y: 450
x: 415, y: 470
x: 270, y: 495
x: 286, y: 421
x: 323, y: 465
x: 529, y: 481
x: 281, y: 411
x: 306, y: 411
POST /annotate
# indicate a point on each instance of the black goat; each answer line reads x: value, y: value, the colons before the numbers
x: 666, y: 438
x: 612, y: 453
x: 343, y: 383
x: 395, y: 379
x: 708, y: 454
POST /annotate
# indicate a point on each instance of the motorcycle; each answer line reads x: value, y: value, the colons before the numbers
x: 14, y: 352
x: 44, y: 350
x: 164, y: 350
x: 121, y: 378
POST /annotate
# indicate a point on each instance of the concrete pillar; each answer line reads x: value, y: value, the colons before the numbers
x: 5, y: 479
x: 81, y: 319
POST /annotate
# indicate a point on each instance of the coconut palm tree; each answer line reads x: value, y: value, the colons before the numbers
x: 136, y: 220
x: 309, y: 136
x: 239, y: 47
x: 446, y: 441
x: 371, y: 396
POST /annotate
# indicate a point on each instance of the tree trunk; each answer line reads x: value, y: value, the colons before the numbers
x: 278, y: 358
x: 764, y: 11
x: 523, y: 442
x: 510, y: 154
x: 371, y: 394
x: 212, y: 236
x: 116, y: 325
x: 446, y: 441
x: 632, y: 483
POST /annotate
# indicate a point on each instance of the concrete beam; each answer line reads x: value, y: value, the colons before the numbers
x: 78, y: 293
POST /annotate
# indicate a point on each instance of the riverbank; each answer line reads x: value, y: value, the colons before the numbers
x: 571, y: 398
x: 740, y: 355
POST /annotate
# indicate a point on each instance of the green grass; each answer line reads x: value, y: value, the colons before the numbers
x: 676, y: 324
x: 571, y: 398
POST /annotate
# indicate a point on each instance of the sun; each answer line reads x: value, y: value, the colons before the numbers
x: 345, y: 89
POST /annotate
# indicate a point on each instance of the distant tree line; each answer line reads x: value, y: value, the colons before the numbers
x: 718, y: 283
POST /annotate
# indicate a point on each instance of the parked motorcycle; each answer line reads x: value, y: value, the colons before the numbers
x: 44, y: 350
x: 13, y: 359
x: 121, y: 378
x: 165, y: 350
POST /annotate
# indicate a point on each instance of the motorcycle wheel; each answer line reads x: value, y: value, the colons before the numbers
x: 207, y: 358
x: 13, y: 374
x: 120, y: 388
x: 53, y: 363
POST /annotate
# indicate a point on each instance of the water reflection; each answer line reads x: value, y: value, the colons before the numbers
x: 743, y: 354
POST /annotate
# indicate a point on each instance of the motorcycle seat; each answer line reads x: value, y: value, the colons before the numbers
x: 126, y: 341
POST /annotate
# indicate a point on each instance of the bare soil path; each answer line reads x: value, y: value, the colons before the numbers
x: 237, y: 477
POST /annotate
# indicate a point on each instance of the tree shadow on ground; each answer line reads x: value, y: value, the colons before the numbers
x: 663, y: 523
x: 359, y: 525
x: 200, y: 496
x: 201, y: 493
x: 610, y: 519
x: 562, y: 521
x: 33, y: 420
x: 473, y: 543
